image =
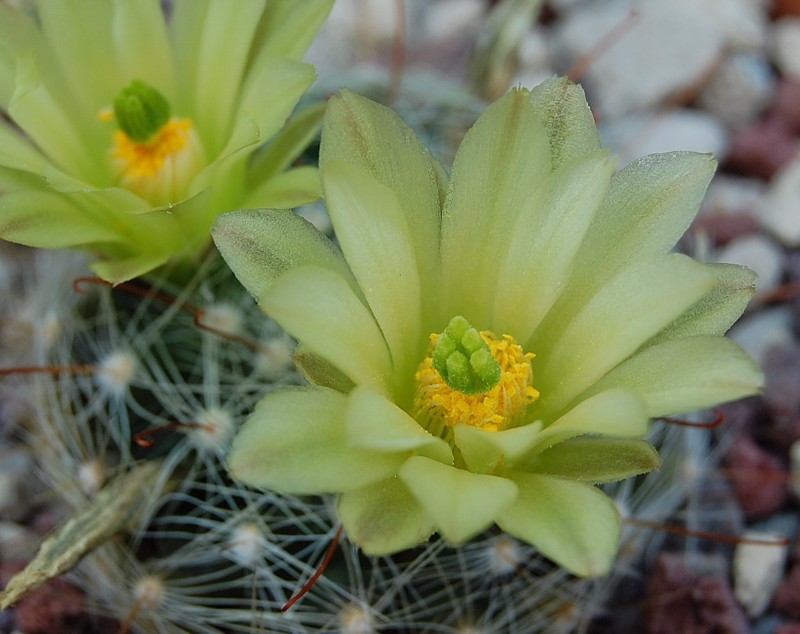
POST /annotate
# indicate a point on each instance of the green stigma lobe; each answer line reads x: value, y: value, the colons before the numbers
x: 140, y: 110
x: 463, y: 359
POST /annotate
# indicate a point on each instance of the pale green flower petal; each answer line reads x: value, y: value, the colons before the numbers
x: 502, y: 161
x: 376, y: 240
x: 288, y: 144
x: 295, y: 442
x: 634, y: 306
x: 319, y: 371
x: 141, y: 46
x: 681, y: 375
x: 489, y: 451
x: 543, y: 244
x: 128, y: 268
x: 287, y: 190
x: 373, y: 422
x: 80, y: 39
x: 316, y: 306
x: 461, y: 504
x: 43, y: 116
x: 261, y: 245
x: 571, y: 523
x: 41, y: 218
x: 372, y: 137
x: 213, y: 58
x: 287, y: 29
x: 17, y: 31
x: 597, y: 460
x: 384, y: 518
x: 718, y: 309
x: 567, y: 119
x: 615, y: 412
x: 649, y: 206
x: 17, y: 153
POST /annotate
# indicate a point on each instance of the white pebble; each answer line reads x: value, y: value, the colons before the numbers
x: 786, y: 46
x: 669, y: 47
x: 447, y: 19
x: 781, y: 213
x: 763, y: 330
x: 758, y: 253
x: 734, y: 195
x: 739, y: 90
x: 758, y: 571
x: 678, y: 130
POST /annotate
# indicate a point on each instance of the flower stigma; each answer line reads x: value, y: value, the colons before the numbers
x: 154, y: 155
x: 473, y: 378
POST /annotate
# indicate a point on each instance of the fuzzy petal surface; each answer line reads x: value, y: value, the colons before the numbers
x: 461, y: 503
x: 574, y: 524
x: 384, y: 518
x: 295, y: 442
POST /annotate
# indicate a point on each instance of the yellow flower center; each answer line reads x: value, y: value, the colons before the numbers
x: 438, y: 407
x: 144, y: 160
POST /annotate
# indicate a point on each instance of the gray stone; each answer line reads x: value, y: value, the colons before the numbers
x: 781, y: 214
x: 739, y: 90
x: 758, y: 253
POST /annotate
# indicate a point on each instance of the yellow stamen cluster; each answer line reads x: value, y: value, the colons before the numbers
x: 144, y: 160
x: 438, y: 407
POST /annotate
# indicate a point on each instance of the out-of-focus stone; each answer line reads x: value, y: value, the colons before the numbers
x: 781, y: 367
x: 786, y: 104
x: 786, y: 46
x: 680, y: 600
x: 758, y: 253
x: 15, y: 491
x: 787, y: 598
x: 535, y: 60
x: 781, y: 214
x: 757, y: 333
x: 56, y: 606
x: 794, y: 469
x: 758, y: 571
x: 681, y: 129
x: 784, y: 8
x: 670, y: 46
x: 739, y: 90
x: 761, y: 150
x: 758, y: 478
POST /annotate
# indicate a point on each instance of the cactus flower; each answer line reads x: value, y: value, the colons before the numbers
x: 126, y: 134
x: 486, y: 348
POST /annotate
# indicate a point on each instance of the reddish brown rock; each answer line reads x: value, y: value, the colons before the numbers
x: 758, y: 478
x: 786, y: 105
x: 680, y: 600
x: 784, y: 8
x: 56, y: 606
x: 760, y: 150
x: 787, y: 598
x: 788, y: 628
x: 782, y: 372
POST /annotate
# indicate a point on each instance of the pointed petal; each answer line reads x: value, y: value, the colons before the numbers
x: 567, y: 119
x: 502, y: 161
x: 574, y: 524
x: 614, y: 412
x: 125, y: 269
x: 649, y: 206
x: 294, y: 442
x: 718, y: 309
x: 373, y: 422
x: 488, y: 452
x: 318, y: 308
x: 377, y: 243
x: 596, y: 460
x: 461, y: 504
x: 580, y: 348
x: 372, y: 137
x: 384, y: 518
x: 260, y: 245
x: 543, y: 244
x: 681, y: 375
